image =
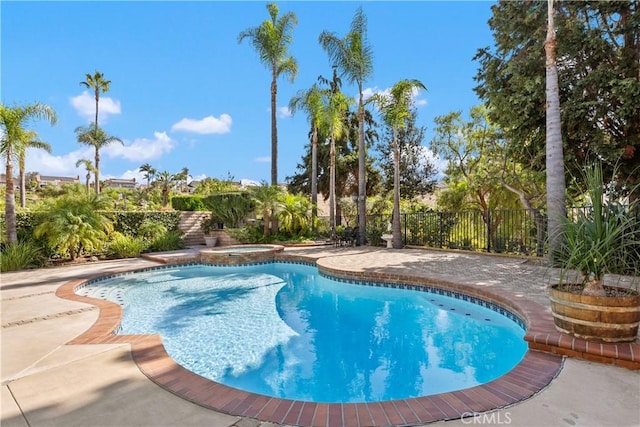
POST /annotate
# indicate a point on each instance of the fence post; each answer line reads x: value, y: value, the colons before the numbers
x: 441, y: 225
x: 488, y: 230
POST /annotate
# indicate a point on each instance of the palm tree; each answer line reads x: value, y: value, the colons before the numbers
x: 271, y: 40
x: 13, y: 137
x: 294, y: 213
x: 395, y: 109
x: 311, y: 102
x: 149, y: 172
x: 75, y: 223
x: 32, y: 140
x: 182, y: 177
x: 555, y: 161
x: 96, y: 138
x: 98, y: 84
x: 267, y: 202
x: 336, y: 105
x: 354, y: 58
x: 90, y: 168
x: 166, y: 182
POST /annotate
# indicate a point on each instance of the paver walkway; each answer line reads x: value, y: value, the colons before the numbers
x: 48, y: 383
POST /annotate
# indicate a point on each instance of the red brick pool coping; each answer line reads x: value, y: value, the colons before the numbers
x: 536, y: 370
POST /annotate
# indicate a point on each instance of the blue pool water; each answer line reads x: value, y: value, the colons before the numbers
x: 282, y: 330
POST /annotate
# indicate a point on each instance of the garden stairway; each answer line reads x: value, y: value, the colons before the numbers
x: 190, y: 226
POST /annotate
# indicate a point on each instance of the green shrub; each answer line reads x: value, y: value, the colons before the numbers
x: 121, y: 246
x: 230, y: 209
x: 129, y: 222
x: 168, y: 242
x: 151, y: 230
x: 188, y: 203
x: 20, y: 255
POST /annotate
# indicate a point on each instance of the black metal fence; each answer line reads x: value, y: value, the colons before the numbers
x: 516, y: 231
x: 511, y: 231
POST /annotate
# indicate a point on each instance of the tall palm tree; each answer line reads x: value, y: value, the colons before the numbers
x: 556, y: 185
x: 98, y: 139
x: 336, y: 105
x: 12, y: 122
x: 166, y: 182
x: 98, y: 83
x: 354, y: 58
x: 32, y: 140
x: 149, y: 172
x: 395, y: 109
x: 310, y: 101
x: 271, y: 40
x: 90, y: 169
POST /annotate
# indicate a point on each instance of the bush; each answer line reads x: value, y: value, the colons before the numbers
x: 187, y: 203
x: 122, y: 246
x: 129, y: 222
x: 20, y: 255
x: 168, y: 242
x: 151, y: 230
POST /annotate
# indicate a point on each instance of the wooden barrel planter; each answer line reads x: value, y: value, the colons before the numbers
x: 608, y: 319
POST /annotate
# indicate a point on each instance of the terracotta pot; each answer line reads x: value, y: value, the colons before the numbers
x: 608, y: 319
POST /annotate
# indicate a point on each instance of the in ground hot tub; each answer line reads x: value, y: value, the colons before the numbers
x: 240, y: 254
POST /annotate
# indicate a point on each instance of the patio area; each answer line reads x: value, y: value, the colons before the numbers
x: 47, y: 382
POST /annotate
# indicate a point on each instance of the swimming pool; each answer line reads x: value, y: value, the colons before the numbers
x: 282, y: 330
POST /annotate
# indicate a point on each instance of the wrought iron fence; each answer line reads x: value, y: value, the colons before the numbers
x: 512, y: 231
x: 520, y: 231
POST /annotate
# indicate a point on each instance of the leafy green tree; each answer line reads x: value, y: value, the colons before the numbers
x: 336, y: 105
x: 271, y: 41
x: 89, y: 168
x: 310, y: 101
x: 97, y: 138
x: 598, y: 64
x: 74, y: 224
x: 354, y: 59
x: 294, y: 213
x: 13, y: 142
x: 416, y: 170
x: 98, y: 84
x: 149, y: 172
x: 209, y: 186
x: 395, y: 109
x: 267, y: 201
x: 182, y: 177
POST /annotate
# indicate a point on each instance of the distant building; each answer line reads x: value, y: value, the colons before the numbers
x: 56, y: 181
x: 119, y: 183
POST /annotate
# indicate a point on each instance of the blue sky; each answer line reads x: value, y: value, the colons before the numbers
x: 184, y: 93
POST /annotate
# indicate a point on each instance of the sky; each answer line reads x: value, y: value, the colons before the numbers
x: 185, y: 93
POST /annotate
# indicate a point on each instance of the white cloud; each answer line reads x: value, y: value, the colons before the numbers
x: 427, y: 155
x: 85, y: 105
x: 284, y: 112
x: 142, y: 149
x: 265, y: 159
x: 62, y: 165
x: 205, y: 126
x: 130, y: 174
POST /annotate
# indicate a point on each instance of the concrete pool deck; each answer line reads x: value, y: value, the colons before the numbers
x: 46, y: 382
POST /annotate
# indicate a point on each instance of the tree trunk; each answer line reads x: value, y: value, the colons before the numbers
x: 332, y: 185
x: 88, y: 178
x: 274, y: 132
x: 96, y: 173
x: 314, y: 177
x: 9, y: 198
x: 362, y: 179
x: 554, y: 153
x: 274, y: 143
x: 23, y: 188
x: 396, y: 227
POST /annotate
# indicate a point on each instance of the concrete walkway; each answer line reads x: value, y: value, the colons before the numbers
x: 48, y: 383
